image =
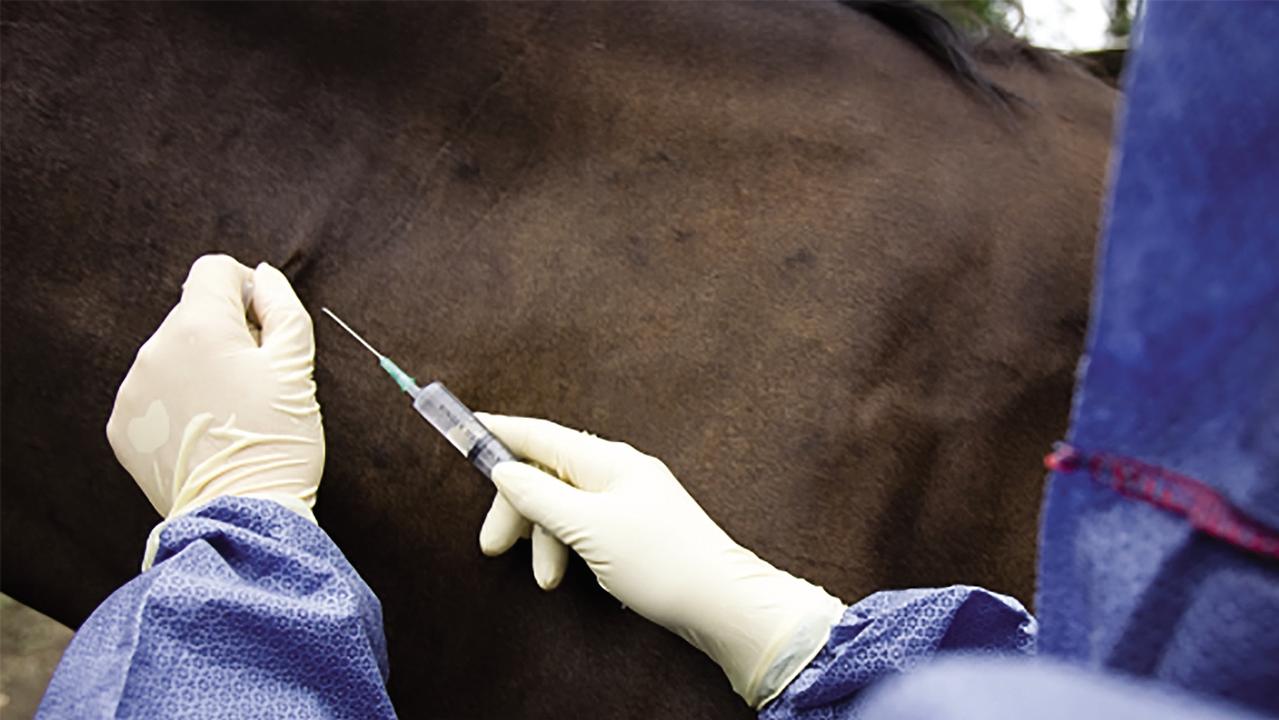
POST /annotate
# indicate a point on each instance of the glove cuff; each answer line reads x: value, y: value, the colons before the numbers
x: 153, y: 545
x: 153, y: 539
x: 794, y: 648
x: 760, y: 624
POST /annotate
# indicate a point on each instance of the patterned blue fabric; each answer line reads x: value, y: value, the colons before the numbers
x: 249, y: 611
x: 1182, y: 372
x: 891, y: 631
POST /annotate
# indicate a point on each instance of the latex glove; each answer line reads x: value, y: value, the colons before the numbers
x: 504, y: 525
x: 653, y: 547
x: 207, y: 410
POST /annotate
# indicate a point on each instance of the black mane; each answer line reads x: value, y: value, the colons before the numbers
x: 931, y: 32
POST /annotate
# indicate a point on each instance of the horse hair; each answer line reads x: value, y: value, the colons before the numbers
x: 934, y: 34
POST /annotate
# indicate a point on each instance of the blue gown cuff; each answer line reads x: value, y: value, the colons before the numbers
x: 892, y: 631
x: 249, y: 611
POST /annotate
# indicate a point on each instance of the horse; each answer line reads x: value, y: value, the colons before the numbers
x: 831, y: 264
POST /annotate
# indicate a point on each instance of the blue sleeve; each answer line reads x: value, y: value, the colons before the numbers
x: 249, y: 611
x: 894, y: 630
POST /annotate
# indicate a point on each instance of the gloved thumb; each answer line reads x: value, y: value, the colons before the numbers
x: 286, y: 325
x: 542, y: 498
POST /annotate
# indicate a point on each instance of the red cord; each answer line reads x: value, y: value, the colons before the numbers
x: 1201, y: 504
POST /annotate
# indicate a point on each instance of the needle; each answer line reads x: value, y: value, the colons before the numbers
x: 354, y: 334
x: 403, y: 379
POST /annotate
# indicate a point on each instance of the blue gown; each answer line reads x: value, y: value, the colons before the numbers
x: 1159, y: 557
x: 249, y: 611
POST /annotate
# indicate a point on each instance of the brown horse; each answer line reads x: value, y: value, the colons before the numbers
x: 839, y: 286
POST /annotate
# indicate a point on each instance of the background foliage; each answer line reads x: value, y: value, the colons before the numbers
x: 1008, y: 15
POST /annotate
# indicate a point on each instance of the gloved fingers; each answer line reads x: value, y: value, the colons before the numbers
x: 544, y: 499
x: 216, y: 277
x: 580, y: 458
x: 213, y: 292
x: 502, y: 527
x: 286, y: 325
x: 550, y: 558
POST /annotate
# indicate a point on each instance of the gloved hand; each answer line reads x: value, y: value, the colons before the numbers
x: 653, y: 547
x: 207, y: 410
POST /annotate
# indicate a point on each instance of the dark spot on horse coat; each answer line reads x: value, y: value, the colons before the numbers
x: 230, y: 225
x: 466, y: 171
x: 229, y: 136
x: 380, y: 459
x: 802, y: 257
x: 636, y: 253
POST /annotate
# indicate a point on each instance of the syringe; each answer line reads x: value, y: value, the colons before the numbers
x: 444, y: 411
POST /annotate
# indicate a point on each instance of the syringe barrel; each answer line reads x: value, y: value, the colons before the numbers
x: 461, y: 428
